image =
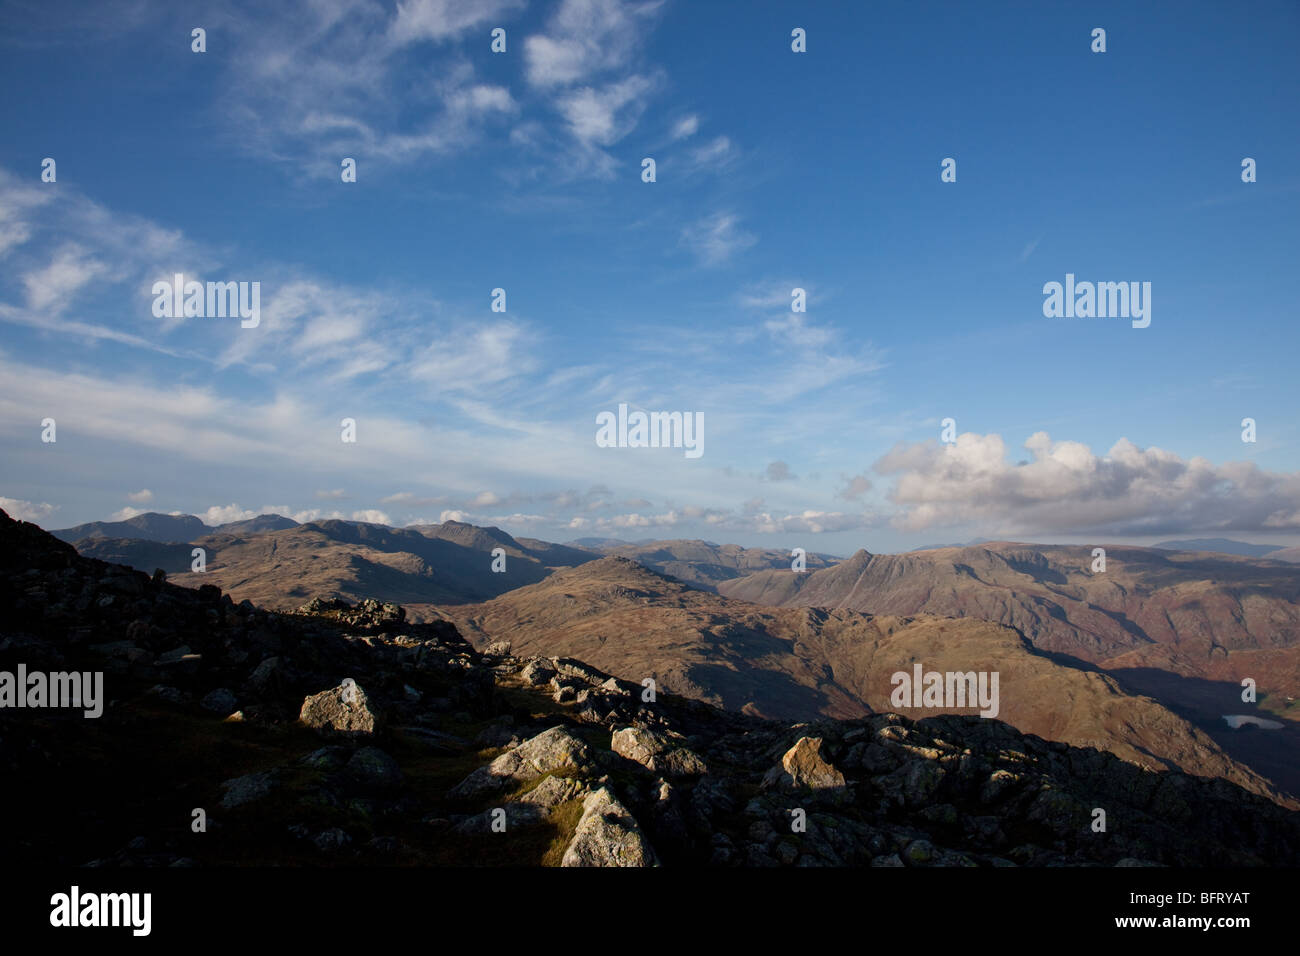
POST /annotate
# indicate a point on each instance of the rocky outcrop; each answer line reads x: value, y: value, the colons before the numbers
x: 607, y: 835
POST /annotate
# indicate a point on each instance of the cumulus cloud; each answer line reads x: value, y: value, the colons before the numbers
x: 224, y: 514
x: 122, y: 514
x: 1065, y: 488
x: 22, y: 510
x: 142, y: 496
x: 811, y: 522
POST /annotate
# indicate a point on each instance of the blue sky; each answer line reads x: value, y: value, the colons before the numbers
x: 775, y: 170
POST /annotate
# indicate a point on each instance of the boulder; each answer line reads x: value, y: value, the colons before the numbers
x: 607, y: 835
x: 549, y: 751
x: 656, y: 752
x: 247, y: 789
x: 803, y: 767
x: 342, y: 709
x: 373, y: 769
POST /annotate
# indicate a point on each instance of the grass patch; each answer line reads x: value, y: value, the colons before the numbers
x: 564, y: 819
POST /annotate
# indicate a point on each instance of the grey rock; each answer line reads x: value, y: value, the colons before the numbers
x: 343, y: 709
x: 552, y: 750
x: 248, y: 789
x: 371, y: 767
x: 607, y: 835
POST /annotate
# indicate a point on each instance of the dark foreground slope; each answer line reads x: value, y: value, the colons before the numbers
x: 420, y: 750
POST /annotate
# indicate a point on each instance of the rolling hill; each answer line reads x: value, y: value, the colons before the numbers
x: 800, y: 663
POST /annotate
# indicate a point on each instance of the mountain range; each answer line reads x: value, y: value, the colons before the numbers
x: 342, y: 734
x: 1150, y: 653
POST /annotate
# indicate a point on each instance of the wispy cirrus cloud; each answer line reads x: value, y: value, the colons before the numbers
x: 717, y: 238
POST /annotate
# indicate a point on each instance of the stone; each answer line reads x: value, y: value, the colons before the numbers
x: 343, y: 709
x: 248, y: 789
x: 219, y: 701
x: 326, y: 758
x: 265, y: 673
x: 553, y: 791
x: 607, y: 835
x: 174, y: 655
x: 372, y: 768
x: 552, y: 750
x: 802, y: 766
x: 537, y: 672
x: 656, y: 752
x: 919, y: 852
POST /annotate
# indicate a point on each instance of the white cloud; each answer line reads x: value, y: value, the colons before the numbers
x: 22, y: 510
x: 331, y: 78
x: 122, y: 514
x: 372, y: 516
x: 774, y: 295
x: 443, y: 19
x: 224, y: 514
x: 715, y: 154
x: 685, y: 127
x: 17, y: 202
x: 585, y: 37
x: 53, y: 288
x: 1064, y: 488
x: 716, y: 238
x: 603, y: 116
x: 471, y: 362
x: 141, y: 497
x: 796, y: 329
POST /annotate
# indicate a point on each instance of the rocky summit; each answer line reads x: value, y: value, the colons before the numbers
x: 341, y: 733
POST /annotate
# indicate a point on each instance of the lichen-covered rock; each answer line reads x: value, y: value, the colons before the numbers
x: 607, y: 835
x: 551, y: 750
x: 343, y: 709
x: 656, y: 752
